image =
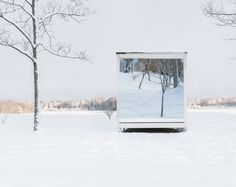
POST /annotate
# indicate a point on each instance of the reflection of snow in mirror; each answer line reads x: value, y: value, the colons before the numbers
x: 151, y: 88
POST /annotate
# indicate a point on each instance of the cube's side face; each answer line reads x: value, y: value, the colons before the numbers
x: 151, y: 89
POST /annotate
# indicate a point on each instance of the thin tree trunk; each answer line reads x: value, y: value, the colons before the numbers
x: 176, y: 76
x: 36, y: 97
x: 162, y: 104
x: 149, y: 78
x: 141, y: 81
x: 36, y: 87
x: 177, y: 70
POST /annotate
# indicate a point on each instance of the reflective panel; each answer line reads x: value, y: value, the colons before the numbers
x: 151, y: 89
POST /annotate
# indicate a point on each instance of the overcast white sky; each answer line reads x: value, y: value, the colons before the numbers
x: 127, y: 25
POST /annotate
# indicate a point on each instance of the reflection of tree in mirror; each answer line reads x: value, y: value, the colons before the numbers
x: 168, y: 73
x: 146, y: 71
x: 151, y: 66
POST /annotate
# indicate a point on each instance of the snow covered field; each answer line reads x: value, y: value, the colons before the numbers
x: 85, y: 149
x: 146, y: 102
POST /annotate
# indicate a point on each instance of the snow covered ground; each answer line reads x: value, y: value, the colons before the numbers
x: 85, y: 149
x: 146, y: 102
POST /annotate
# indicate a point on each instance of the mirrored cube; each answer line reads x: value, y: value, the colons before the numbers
x: 152, y: 90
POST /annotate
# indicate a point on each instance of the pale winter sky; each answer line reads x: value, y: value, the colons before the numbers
x: 127, y: 25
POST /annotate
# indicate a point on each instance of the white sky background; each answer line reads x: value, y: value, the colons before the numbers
x: 127, y: 25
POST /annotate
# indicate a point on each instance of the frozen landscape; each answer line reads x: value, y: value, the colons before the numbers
x: 86, y: 149
x: 59, y: 57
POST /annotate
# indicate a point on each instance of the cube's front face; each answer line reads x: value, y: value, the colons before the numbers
x: 151, y: 89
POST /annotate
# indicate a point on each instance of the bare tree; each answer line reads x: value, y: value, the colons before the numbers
x: 109, y: 113
x: 27, y: 27
x: 164, y: 73
x: 224, y: 12
x: 146, y: 71
x: 108, y: 110
x: 176, y: 73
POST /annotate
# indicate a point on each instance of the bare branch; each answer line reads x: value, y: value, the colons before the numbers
x: 8, y: 10
x: 74, y: 10
x: 28, y: 3
x: 47, y: 32
x: 12, y: 3
x: 64, y: 15
x: 61, y: 50
x: 220, y: 14
x: 5, y: 41
x: 18, y: 28
x: 17, y: 49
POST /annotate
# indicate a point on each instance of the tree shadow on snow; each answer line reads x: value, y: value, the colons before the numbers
x: 154, y: 130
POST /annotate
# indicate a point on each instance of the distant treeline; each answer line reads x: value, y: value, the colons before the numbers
x: 212, y: 102
x: 16, y: 107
